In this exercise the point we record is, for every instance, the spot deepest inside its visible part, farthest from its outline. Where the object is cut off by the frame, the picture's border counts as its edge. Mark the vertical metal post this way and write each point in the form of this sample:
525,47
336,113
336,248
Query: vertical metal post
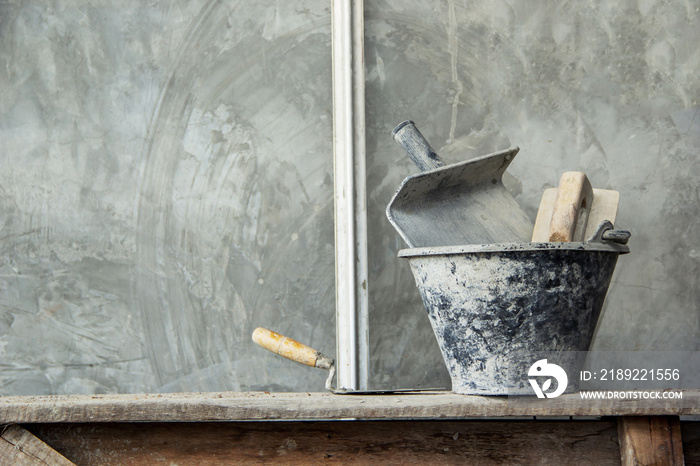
349,189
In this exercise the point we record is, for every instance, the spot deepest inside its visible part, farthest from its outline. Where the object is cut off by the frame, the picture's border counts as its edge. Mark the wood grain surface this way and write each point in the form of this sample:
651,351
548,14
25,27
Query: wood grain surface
368,442
646,440
247,406
19,447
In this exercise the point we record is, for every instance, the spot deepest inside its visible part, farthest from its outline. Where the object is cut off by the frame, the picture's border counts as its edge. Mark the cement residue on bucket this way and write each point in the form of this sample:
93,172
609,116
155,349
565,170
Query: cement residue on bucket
495,309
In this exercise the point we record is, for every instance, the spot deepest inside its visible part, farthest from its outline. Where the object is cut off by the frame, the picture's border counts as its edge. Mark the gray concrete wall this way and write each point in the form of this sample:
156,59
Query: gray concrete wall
608,88
166,175
166,187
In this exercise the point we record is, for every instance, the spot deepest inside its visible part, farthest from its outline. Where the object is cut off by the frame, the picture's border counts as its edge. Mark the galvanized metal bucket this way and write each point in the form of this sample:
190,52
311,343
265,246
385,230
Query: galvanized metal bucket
497,308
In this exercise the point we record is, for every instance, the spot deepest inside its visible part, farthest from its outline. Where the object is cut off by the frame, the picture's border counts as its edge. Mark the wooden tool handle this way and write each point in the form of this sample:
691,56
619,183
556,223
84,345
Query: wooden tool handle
571,208
291,349
416,146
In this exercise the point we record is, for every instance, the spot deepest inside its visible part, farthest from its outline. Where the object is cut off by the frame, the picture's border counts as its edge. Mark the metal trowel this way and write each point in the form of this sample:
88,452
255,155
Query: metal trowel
459,204
299,352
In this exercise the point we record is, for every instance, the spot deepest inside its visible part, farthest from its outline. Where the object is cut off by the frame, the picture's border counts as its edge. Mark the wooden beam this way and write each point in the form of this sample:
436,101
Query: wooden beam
647,441
361,442
20,447
254,406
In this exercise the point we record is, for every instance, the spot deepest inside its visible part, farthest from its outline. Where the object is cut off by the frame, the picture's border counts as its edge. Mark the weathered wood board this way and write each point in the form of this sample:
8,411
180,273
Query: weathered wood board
646,440
362,442
19,447
249,406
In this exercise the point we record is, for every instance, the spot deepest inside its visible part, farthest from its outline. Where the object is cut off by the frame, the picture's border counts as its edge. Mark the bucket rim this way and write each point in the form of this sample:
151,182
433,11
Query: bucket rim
514,247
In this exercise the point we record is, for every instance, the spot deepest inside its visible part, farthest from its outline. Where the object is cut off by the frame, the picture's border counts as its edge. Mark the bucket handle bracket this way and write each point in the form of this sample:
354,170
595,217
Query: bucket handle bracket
605,232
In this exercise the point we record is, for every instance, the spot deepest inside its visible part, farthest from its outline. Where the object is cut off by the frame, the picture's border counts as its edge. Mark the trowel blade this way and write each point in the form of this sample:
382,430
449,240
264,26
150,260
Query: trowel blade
459,204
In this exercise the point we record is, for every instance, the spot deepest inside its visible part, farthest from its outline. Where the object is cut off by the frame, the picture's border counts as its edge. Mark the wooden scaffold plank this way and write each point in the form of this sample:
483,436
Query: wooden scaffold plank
19,447
650,440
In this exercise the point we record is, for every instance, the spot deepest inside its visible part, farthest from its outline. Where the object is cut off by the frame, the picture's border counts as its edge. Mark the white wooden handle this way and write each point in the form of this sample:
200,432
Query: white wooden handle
571,208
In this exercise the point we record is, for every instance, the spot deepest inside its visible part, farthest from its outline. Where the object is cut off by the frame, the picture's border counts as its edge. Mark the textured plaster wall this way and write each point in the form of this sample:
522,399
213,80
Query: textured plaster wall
166,175
606,87
166,187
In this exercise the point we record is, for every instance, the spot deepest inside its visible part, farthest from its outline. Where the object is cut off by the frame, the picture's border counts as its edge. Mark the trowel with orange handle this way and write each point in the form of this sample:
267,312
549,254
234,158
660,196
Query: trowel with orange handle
574,210
299,352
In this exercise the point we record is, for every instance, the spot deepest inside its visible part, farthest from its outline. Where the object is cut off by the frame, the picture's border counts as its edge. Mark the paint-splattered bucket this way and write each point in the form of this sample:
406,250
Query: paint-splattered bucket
495,309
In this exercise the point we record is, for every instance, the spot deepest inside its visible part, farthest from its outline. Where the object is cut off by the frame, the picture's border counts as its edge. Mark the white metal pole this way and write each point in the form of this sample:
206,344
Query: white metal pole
352,339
